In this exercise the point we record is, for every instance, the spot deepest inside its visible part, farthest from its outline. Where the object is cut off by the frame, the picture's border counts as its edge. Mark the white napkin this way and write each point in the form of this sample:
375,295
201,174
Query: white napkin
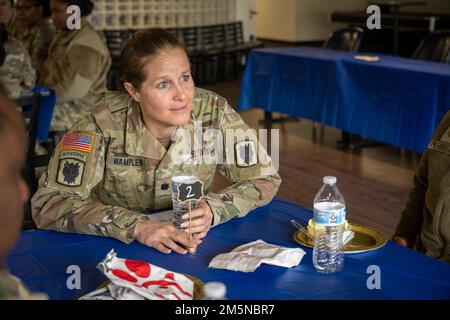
347,236
248,257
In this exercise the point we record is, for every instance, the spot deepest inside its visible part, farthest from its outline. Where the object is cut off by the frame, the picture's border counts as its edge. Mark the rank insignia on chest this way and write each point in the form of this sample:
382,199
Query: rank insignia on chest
164,186
77,142
246,153
70,172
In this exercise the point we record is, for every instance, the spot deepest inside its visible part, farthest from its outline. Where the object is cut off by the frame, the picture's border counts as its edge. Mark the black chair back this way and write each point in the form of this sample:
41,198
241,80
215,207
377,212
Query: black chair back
348,39
434,47
115,39
30,104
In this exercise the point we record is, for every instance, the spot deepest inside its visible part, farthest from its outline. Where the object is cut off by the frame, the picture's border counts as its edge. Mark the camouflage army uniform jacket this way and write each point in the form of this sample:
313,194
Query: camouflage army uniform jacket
36,40
127,172
17,73
426,218
76,69
11,288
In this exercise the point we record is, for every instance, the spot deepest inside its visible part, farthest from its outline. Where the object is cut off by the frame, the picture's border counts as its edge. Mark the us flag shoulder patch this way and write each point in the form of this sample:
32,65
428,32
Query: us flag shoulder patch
77,142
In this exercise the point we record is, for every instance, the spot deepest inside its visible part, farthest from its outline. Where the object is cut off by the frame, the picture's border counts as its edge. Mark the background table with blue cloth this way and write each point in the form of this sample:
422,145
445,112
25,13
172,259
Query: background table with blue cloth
41,259
394,100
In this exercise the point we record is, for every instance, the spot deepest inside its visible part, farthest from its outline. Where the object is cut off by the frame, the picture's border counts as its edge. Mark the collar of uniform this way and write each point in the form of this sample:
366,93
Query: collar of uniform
138,139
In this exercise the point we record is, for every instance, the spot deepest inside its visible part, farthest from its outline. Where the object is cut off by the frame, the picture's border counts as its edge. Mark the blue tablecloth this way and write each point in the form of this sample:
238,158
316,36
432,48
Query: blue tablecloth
395,100
41,259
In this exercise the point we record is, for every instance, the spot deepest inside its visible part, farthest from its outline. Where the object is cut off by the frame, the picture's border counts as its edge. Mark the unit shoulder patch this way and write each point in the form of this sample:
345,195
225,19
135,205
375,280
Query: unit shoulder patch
70,172
246,153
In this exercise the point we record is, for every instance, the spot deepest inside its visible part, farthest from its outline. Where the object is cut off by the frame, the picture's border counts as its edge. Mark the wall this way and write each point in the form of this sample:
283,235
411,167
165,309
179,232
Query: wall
308,20
137,14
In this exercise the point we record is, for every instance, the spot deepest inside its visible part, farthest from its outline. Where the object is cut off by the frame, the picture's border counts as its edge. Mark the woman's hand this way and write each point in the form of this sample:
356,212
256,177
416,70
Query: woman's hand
201,220
163,237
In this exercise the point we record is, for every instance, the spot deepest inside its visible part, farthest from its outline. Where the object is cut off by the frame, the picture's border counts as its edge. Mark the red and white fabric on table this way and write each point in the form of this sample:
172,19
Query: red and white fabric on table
133,279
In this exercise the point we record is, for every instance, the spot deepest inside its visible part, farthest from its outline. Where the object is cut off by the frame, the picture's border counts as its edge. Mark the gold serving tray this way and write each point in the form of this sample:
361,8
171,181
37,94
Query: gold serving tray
365,239
198,286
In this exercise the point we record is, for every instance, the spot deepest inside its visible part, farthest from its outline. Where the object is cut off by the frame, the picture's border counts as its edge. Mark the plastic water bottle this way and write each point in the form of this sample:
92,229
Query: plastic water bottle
185,173
214,291
329,218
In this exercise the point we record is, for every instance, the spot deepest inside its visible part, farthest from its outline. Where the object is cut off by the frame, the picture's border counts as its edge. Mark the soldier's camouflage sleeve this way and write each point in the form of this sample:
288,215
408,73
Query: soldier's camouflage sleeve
76,80
255,179
11,288
40,44
17,73
412,216
65,200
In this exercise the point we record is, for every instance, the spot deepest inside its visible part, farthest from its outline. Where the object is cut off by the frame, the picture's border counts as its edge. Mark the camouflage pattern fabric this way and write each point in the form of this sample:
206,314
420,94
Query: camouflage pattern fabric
117,171
36,40
76,69
11,288
425,220
17,74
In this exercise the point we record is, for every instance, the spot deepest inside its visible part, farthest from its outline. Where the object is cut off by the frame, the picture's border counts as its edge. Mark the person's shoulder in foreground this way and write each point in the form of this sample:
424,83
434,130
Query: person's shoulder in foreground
425,221
13,196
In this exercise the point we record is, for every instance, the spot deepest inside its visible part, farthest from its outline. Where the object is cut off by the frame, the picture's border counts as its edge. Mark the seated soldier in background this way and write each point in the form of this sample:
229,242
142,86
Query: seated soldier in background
425,222
35,31
16,72
13,195
8,17
77,66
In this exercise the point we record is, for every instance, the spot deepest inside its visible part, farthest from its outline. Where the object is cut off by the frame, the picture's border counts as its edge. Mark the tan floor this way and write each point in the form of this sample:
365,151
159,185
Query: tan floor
375,184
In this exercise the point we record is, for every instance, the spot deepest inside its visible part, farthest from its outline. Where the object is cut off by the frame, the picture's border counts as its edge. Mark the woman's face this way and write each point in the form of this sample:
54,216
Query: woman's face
28,12
59,14
166,95
6,11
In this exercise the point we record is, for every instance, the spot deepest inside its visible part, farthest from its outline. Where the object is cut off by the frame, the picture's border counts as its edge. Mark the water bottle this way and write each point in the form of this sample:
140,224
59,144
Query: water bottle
184,173
329,218
214,291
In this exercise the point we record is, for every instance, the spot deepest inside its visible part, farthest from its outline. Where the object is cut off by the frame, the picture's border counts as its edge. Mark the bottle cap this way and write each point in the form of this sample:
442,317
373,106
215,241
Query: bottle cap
214,290
329,180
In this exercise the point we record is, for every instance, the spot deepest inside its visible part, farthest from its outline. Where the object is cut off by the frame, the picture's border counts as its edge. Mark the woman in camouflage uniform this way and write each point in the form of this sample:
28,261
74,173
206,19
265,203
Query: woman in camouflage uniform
77,65
117,162
16,71
35,31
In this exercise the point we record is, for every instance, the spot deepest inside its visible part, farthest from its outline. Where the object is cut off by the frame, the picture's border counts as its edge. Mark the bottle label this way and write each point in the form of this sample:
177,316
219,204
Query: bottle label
329,217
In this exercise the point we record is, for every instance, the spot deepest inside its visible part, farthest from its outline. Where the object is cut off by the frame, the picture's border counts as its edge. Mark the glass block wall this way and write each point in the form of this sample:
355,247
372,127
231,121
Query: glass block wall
137,14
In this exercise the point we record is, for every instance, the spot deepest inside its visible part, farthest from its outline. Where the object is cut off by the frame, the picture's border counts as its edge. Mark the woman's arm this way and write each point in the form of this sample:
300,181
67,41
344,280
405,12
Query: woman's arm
64,200
254,177
83,65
